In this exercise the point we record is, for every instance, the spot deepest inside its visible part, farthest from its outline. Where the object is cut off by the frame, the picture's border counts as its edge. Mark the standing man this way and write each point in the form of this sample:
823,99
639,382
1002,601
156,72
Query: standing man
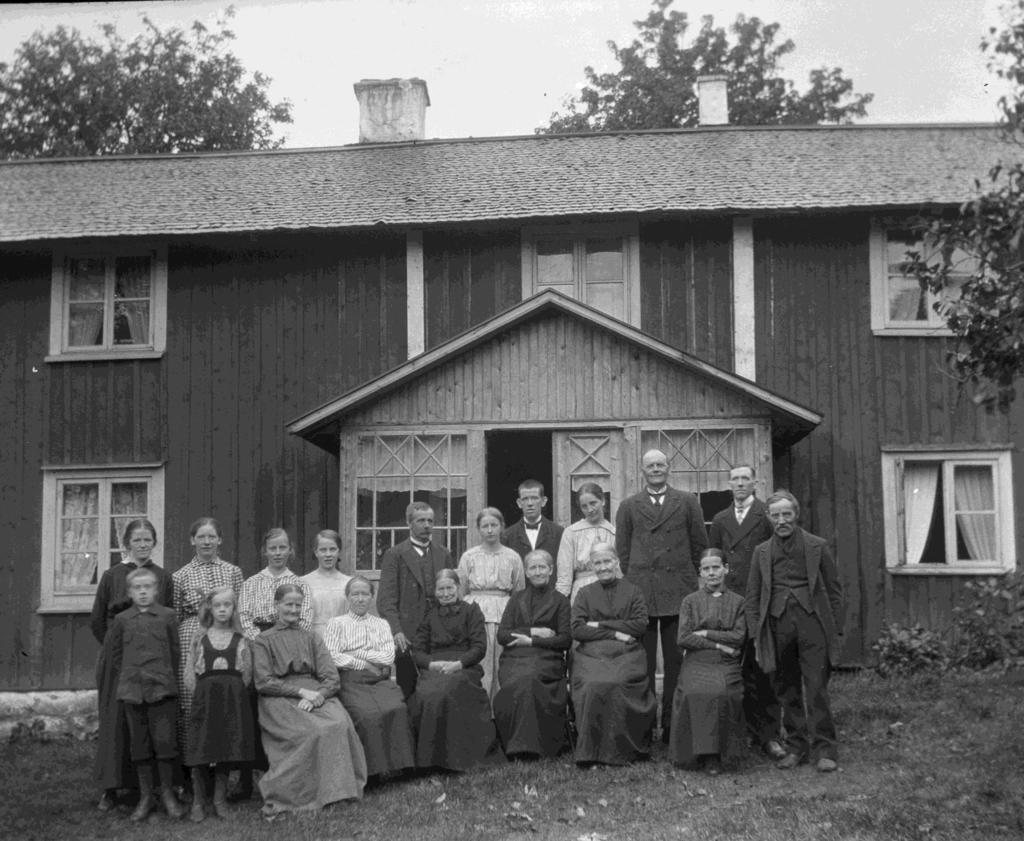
795,615
660,536
736,531
407,573
534,530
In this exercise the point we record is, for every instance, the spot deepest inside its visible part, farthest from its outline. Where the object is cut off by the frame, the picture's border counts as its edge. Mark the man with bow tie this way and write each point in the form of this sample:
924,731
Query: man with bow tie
534,530
407,573
660,536
736,531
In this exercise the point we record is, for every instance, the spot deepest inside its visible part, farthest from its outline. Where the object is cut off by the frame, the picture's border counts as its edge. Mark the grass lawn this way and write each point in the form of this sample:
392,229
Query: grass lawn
919,759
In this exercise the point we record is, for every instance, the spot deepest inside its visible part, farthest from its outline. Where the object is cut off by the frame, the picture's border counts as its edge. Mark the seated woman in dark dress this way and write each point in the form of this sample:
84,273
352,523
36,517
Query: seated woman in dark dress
614,705
530,707
450,710
707,710
363,649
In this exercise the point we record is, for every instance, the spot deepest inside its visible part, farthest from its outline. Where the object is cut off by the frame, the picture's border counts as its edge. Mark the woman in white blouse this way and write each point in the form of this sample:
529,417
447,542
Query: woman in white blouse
574,568
326,584
363,649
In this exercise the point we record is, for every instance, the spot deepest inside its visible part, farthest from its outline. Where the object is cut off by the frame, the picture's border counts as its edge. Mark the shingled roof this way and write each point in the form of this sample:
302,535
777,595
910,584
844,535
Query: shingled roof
739,169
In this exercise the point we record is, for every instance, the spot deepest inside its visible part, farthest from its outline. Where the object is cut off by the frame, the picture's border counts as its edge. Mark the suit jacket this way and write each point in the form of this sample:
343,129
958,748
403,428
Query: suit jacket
407,584
549,539
826,598
737,540
660,546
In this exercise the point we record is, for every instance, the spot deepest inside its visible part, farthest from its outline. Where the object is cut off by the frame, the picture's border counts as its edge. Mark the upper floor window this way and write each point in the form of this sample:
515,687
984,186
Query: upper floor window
595,264
85,511
948,511
108,304
899,306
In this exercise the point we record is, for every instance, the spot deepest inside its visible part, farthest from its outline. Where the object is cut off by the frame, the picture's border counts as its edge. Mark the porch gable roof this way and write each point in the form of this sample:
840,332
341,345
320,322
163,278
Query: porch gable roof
791,421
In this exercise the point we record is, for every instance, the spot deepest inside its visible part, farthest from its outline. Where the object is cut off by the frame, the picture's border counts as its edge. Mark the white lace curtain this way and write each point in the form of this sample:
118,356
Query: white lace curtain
920,482
974,497
79,536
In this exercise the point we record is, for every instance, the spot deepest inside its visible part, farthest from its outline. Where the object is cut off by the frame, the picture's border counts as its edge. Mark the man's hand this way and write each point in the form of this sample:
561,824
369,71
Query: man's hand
401,642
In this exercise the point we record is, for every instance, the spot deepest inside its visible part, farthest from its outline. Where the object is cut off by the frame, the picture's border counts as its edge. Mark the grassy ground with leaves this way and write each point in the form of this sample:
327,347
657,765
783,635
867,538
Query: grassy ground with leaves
925,758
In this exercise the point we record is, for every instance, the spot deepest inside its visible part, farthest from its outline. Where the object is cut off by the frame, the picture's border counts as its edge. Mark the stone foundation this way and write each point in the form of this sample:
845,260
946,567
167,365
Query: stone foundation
46,716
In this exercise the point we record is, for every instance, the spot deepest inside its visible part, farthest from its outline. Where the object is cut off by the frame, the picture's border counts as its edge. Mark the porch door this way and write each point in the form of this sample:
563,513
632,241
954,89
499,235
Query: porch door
580,456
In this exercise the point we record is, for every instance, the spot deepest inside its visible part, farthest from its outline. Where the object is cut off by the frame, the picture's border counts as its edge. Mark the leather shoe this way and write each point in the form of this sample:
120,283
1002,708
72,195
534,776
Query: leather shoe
790,760
775,750
826,765
106,803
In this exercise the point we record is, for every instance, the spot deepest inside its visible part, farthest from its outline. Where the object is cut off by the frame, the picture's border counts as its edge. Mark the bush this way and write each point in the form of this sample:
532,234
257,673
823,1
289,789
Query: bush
904,651
989,623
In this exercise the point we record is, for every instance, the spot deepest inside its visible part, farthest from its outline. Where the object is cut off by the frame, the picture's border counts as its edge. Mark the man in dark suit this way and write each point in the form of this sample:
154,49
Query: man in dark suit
794,607
660,536
736,531
534,530
407,573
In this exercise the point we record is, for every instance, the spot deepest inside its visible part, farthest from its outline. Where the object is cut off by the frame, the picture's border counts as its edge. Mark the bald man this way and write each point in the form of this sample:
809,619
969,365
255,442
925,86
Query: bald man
660,536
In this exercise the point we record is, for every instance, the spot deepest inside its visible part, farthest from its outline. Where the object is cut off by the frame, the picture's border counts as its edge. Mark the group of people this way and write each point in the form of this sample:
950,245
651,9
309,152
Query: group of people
540,640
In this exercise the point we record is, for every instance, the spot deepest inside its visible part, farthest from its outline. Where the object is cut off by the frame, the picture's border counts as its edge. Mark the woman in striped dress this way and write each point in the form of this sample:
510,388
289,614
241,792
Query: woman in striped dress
192,583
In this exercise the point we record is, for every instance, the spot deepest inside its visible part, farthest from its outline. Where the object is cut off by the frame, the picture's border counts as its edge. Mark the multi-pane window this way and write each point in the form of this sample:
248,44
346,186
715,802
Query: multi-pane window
108,303
396,470
948,511
899,304
85,514
700,459
593,264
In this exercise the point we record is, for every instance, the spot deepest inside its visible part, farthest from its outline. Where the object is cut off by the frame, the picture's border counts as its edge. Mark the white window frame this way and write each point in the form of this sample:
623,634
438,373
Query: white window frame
81,600
59,350
881,324
628,232
893,506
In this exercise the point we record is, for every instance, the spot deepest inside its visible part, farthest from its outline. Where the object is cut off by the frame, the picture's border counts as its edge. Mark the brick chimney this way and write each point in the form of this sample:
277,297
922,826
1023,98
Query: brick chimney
713,100
391,110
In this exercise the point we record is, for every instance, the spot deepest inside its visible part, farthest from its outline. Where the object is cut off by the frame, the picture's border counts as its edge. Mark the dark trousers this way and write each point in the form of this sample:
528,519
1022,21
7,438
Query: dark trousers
151,730
760,706
406,673
668,627
801,683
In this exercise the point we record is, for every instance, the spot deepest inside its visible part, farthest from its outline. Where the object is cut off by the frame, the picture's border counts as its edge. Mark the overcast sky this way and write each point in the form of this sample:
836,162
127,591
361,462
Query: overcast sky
500,67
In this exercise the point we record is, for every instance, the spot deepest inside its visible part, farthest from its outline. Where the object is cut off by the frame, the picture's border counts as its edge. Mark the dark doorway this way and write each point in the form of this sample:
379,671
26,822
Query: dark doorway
512,456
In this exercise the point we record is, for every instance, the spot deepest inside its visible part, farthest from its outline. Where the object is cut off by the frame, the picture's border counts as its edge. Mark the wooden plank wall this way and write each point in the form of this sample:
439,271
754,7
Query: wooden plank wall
468,277
815,346
588,374
686,286
256,336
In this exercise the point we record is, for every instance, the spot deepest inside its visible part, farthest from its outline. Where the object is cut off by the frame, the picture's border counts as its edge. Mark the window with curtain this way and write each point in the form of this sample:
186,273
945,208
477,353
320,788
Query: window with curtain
948,511
396,470
85,513
108,303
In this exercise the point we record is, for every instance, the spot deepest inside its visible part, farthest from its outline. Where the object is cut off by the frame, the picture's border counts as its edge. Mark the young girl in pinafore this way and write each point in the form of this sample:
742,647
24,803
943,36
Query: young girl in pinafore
221,730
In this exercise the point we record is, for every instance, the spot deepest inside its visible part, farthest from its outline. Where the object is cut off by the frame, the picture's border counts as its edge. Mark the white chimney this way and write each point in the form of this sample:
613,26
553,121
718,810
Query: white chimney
713,100
391,110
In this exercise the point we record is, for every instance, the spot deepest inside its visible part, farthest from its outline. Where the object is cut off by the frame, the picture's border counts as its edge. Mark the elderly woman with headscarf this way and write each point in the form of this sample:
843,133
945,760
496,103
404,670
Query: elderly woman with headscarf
450,710
615,708
530,708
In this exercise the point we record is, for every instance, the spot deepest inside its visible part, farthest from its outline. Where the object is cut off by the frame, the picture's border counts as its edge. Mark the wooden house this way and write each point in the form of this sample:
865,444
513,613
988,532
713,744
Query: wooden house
312,338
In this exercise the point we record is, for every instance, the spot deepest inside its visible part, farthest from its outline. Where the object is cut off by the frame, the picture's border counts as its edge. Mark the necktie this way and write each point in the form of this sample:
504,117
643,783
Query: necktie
532,526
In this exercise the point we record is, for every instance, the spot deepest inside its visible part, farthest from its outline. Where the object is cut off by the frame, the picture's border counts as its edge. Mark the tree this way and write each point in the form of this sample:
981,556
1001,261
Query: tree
984,304
654,87
163,91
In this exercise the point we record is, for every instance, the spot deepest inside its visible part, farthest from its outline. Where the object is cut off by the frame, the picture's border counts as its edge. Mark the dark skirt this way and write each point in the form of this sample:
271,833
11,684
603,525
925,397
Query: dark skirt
451,716
381,719
530,708
222,728
707,709
113,767
615,708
